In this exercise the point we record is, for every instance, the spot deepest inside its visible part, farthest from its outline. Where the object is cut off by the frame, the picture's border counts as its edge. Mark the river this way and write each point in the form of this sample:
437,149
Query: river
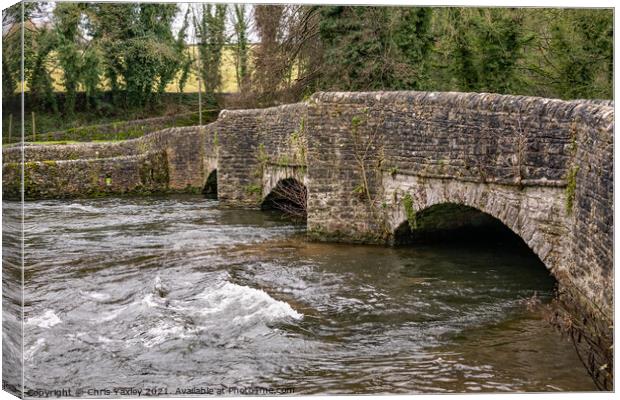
176,294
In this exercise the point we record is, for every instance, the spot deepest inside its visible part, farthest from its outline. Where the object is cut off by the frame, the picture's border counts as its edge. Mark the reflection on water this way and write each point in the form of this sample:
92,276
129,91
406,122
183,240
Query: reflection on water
174,292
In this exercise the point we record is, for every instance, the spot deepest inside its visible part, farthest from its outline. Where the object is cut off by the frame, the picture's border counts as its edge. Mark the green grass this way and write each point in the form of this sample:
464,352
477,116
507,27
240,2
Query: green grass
61,142
180,110
227,68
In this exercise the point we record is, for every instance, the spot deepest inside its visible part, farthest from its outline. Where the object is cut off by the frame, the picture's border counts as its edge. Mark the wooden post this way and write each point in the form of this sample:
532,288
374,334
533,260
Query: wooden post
34,134
199,71
10,126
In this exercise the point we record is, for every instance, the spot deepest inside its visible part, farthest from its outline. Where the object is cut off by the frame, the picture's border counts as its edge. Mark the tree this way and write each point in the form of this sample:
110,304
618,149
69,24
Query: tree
269,68
12,20
90,74
140,51
181,47
40,83
484,48
111,26
302,49
372,48
240,25
578,54
210,28
38,44
67,17
412,36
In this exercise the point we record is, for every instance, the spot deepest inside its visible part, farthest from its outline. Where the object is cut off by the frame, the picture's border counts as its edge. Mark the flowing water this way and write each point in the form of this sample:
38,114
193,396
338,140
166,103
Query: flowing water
175,295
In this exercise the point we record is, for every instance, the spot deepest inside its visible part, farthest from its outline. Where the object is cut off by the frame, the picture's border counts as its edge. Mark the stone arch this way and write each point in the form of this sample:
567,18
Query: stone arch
535,214
210,186
274,174
447,222
288,195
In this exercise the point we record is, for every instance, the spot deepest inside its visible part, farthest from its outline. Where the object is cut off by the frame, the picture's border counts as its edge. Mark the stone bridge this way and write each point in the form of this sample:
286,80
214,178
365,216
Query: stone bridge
375,163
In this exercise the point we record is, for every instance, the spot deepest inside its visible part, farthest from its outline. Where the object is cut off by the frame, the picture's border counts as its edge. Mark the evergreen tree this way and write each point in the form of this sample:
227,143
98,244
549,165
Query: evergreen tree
356,48
67,18
240,25
185,58
269,65
485,47
413,38
210,28
140,50
369,48
579,54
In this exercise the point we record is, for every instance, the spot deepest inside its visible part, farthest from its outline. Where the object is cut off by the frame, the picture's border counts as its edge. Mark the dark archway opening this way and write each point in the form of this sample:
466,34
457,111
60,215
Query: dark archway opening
496,261
289,197
455,223
210,189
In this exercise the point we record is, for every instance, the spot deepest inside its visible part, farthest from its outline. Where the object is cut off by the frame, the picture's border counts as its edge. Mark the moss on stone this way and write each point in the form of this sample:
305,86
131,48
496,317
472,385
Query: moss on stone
409,211
262,155
297,143
573,138
356,121
359,190
253,189
216,140
284,161
571,186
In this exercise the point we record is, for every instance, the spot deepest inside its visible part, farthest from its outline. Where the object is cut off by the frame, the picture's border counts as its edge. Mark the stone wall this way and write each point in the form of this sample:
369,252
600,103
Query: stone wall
589,194
141,174
188,151
81,151
170,160
252,140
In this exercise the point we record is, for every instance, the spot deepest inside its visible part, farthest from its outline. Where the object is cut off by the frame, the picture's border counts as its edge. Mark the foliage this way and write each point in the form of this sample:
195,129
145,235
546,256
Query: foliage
35,69
16,18
67,18
411,213
571,186
370,48
269,68
240,24
357,51
210,27
579,54
482,47
134,51
563,53
412,36
140,53
186,60
11,48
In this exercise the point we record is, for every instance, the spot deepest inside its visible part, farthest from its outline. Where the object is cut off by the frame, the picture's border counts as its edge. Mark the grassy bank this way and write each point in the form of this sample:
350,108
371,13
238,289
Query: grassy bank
101,123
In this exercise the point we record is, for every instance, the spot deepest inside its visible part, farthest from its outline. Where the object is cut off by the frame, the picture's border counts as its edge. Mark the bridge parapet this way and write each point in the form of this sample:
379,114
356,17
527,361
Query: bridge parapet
541,166
172,159
251,141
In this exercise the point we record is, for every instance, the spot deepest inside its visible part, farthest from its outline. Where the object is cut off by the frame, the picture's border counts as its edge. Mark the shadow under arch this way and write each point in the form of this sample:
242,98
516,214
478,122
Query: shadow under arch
456,223
290,196
210,188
